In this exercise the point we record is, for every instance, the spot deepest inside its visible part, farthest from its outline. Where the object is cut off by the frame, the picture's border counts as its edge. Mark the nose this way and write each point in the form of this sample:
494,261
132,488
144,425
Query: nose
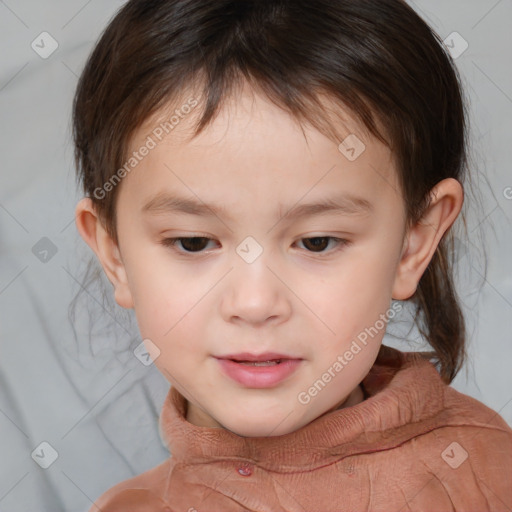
256,293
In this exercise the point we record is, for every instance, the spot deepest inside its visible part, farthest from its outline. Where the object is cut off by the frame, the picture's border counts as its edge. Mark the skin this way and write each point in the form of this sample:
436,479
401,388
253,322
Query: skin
293,299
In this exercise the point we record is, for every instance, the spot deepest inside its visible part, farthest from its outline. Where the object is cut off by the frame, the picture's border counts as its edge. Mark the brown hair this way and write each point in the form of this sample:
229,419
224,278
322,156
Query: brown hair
378,58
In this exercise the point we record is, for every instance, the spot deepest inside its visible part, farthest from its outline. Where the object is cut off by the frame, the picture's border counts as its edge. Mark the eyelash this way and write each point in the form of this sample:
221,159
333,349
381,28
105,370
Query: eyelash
171,243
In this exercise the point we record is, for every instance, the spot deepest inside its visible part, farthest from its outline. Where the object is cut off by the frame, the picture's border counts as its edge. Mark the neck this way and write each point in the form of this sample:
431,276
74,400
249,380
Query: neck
356,397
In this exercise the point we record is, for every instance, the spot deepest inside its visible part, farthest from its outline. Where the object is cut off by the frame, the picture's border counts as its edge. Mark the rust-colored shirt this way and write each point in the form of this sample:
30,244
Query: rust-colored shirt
413,444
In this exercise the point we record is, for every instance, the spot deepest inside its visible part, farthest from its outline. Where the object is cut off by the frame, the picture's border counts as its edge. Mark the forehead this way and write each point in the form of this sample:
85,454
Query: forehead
256,150
247,104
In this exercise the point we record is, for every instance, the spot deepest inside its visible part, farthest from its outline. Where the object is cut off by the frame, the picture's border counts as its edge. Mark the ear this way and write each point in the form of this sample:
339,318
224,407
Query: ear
94,234
423,238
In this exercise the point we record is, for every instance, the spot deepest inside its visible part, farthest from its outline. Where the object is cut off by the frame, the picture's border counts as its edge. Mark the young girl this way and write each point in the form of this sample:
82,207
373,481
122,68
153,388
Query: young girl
266,183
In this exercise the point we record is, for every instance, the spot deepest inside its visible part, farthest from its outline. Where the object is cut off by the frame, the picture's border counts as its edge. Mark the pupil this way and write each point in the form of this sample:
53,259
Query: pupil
317,238
194,243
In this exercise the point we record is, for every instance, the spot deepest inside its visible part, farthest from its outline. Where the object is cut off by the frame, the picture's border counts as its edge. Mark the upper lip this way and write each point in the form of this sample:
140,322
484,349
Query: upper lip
247,356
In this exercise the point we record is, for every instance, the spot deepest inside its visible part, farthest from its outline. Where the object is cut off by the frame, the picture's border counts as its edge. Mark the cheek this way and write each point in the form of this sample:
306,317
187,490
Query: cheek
173,322
166,299
352,298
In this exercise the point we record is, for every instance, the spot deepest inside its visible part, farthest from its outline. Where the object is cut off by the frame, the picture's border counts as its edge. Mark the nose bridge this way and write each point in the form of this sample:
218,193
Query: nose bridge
254,292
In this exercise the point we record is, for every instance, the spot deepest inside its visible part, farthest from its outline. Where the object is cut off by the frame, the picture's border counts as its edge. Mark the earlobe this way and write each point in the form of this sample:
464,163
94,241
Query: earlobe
97,238
423,238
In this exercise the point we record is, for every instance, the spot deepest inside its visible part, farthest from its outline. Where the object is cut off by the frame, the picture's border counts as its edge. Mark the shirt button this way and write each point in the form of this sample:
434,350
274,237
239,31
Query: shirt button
245,470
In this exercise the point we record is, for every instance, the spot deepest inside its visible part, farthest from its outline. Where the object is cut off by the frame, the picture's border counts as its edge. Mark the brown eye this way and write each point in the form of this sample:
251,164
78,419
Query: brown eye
191,244
318,244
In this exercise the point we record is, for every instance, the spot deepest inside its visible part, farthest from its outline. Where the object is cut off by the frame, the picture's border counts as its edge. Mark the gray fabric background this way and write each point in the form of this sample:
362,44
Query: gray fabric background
78,386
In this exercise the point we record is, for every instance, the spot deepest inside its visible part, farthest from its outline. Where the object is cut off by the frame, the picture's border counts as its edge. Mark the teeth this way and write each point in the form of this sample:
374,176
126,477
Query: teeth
260,363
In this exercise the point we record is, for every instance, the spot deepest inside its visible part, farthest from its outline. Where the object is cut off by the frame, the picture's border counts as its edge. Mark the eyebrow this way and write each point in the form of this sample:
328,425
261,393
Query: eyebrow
347,204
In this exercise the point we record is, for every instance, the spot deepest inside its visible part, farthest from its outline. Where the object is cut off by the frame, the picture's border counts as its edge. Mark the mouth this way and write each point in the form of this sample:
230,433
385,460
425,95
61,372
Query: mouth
258,370
265,358
259,363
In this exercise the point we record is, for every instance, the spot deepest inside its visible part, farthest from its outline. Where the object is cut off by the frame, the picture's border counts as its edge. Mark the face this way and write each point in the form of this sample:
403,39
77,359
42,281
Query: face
258,273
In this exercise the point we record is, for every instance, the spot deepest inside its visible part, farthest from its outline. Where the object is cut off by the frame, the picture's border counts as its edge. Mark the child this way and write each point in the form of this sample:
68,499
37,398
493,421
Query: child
267,182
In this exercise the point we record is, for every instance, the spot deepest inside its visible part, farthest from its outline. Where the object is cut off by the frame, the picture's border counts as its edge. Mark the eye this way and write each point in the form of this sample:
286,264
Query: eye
189,244
197,244
317,243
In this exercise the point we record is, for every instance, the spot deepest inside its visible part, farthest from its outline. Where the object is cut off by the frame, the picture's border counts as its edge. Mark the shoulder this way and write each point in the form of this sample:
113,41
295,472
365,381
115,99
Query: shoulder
465,426
468,453
418,386
467,413
141,493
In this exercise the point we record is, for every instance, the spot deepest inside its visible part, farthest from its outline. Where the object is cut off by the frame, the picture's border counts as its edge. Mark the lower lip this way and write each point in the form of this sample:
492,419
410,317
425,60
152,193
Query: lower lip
259,376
